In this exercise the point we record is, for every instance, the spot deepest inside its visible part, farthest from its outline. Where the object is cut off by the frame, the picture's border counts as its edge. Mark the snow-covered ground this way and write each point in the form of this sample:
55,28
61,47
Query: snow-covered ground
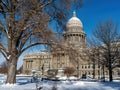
24,83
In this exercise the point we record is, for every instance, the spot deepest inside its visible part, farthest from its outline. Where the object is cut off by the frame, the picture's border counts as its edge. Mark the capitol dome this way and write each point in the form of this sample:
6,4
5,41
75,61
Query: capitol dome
74,21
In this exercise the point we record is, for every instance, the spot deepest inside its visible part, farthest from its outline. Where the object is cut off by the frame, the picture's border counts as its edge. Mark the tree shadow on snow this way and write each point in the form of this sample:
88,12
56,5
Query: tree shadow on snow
114,85
23,81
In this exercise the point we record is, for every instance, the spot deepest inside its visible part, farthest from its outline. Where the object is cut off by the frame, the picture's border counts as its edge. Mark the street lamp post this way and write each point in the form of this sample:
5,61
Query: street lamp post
77,71
42,69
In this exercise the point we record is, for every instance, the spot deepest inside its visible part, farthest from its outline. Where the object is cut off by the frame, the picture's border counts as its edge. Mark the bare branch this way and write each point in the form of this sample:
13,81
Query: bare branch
34,44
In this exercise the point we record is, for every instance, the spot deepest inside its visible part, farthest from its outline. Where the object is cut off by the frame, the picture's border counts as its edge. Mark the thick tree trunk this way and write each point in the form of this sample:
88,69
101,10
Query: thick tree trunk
103,72
11,74
110,67
94,70
110,72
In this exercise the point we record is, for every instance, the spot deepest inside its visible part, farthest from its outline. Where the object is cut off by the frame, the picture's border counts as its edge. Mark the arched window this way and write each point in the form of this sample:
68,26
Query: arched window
82,66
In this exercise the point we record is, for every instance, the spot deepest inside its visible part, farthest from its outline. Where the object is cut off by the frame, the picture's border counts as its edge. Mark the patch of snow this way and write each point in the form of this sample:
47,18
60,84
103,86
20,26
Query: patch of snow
9,85
24,75
23,83
73,78
116,80
60,70
7,33
79,84
9,57
63,78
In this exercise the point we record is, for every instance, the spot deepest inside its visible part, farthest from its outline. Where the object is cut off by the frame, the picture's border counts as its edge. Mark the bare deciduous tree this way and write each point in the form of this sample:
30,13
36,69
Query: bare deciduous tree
108,36
25,23
69,71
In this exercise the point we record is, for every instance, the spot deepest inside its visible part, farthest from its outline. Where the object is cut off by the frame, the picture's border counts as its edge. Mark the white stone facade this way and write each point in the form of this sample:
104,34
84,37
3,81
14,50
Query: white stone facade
51,63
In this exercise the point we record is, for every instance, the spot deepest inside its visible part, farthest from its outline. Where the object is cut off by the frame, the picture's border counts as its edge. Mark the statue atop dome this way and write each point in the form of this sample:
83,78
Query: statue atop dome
74,14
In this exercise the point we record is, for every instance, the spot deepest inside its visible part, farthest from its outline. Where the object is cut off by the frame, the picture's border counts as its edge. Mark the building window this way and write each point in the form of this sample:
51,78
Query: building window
88,73
92,66
88,66
82,66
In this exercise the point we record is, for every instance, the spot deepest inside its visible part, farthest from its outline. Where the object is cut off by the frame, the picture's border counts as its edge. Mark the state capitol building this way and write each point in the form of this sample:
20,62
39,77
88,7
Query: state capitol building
54,63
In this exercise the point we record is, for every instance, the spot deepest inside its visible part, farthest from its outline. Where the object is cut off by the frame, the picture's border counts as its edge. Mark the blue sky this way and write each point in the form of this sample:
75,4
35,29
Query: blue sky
90,14
98,10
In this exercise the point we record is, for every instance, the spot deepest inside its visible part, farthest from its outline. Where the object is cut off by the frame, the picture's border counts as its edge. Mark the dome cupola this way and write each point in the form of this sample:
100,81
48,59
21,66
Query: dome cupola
74,32
74,21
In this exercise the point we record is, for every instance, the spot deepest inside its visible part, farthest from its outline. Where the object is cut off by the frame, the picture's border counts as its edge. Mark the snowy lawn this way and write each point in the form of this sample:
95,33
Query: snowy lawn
24,83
